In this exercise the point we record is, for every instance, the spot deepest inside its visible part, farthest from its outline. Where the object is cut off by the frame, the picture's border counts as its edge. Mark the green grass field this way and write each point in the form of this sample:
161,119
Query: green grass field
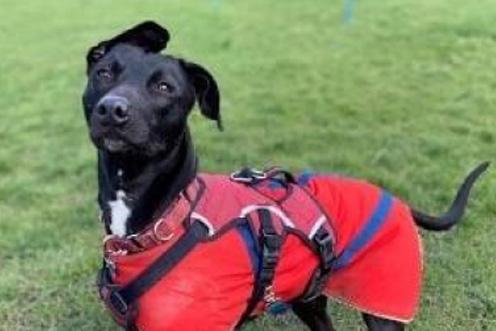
403,96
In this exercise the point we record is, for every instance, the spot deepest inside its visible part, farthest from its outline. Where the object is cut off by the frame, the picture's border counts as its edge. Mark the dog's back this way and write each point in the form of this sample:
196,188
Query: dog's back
377,266
378,251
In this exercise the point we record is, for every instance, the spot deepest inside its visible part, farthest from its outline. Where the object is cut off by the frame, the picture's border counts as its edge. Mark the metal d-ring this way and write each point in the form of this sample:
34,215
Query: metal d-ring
161,238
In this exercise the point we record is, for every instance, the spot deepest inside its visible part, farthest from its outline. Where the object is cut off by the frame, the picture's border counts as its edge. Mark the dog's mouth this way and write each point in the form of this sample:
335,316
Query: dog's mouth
109,143
115,145
136,142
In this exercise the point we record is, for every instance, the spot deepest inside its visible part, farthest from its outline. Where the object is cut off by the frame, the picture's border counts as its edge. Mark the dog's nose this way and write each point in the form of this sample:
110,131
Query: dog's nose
114,109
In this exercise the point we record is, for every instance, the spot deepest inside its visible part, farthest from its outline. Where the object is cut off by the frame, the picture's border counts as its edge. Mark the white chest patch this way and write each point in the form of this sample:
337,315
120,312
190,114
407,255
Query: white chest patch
119,213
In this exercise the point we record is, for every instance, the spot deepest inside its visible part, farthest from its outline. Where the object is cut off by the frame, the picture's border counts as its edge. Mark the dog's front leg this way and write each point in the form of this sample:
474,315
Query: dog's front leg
380,324
314,314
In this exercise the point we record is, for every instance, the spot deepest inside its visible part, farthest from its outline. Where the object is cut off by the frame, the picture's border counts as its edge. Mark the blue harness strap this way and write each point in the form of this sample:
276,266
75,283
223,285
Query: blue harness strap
371,227
305,177
249,239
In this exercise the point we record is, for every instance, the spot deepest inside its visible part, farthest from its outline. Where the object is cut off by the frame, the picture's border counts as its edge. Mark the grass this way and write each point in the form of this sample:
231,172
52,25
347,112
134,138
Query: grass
403,96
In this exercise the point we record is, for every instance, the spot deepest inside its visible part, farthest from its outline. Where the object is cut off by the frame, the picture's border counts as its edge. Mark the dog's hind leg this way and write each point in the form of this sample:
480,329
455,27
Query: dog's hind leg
375,323
314,314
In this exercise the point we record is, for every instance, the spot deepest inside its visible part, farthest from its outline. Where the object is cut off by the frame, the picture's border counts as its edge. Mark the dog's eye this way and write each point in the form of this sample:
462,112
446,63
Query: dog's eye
163,87
104,74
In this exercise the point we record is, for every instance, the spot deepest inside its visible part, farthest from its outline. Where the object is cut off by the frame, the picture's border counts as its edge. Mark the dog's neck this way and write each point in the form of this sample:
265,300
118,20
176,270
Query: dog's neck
133,190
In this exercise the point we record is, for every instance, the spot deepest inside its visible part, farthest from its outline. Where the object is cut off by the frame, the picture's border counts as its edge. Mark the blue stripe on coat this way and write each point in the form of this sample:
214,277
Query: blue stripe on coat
372,226
305,177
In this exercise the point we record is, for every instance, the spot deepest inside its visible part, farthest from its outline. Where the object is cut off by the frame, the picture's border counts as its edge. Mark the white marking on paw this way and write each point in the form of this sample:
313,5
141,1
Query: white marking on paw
120,172
119,214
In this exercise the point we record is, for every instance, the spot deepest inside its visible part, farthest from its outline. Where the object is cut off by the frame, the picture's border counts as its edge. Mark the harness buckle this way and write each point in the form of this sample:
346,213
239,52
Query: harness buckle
324,242
258,174
272,243
248,175
274,305
269,295
117,302
271,259
323,238
110,295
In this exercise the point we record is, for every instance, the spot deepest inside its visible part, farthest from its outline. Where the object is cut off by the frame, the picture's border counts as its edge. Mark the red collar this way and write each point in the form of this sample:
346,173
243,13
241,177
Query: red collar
166,229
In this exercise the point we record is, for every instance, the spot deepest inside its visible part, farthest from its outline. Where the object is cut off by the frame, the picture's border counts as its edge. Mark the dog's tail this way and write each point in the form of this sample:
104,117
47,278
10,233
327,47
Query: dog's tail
455,212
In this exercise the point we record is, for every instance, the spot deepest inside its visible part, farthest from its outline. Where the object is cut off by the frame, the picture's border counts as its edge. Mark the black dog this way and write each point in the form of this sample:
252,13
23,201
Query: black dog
136,104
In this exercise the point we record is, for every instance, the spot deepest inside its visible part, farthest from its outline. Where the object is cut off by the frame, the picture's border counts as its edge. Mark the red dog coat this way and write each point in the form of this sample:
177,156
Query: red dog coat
376,265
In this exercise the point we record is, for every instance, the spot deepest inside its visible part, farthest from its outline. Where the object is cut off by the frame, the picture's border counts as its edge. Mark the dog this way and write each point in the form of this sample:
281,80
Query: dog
136,105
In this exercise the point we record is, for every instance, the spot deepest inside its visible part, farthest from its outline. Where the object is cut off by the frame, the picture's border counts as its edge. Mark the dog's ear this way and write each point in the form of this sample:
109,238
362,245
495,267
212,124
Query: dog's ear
206,91
148,35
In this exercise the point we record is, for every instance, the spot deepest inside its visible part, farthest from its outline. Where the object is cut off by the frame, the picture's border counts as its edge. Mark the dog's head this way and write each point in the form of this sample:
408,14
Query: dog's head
137,100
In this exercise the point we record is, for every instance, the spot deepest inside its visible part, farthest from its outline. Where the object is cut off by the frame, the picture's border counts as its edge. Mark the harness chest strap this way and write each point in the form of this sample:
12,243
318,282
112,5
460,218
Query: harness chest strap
323,242
271,248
